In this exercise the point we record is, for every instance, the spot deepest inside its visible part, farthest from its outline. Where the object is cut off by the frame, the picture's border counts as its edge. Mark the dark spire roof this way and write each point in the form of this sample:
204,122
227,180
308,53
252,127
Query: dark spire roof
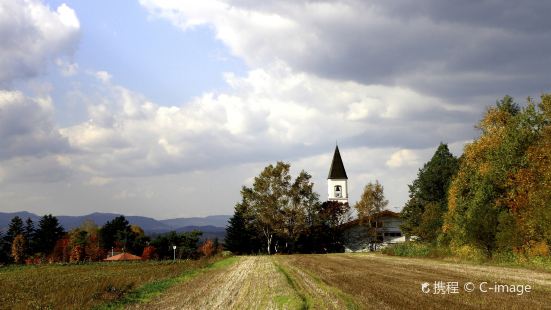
337,168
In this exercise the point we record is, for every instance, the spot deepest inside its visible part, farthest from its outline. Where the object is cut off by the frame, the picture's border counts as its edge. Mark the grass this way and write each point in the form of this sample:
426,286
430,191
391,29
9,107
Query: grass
468,255
153,289
306,302
91,285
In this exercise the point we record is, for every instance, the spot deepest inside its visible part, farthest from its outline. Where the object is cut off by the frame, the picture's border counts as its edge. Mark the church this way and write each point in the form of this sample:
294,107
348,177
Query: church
359,237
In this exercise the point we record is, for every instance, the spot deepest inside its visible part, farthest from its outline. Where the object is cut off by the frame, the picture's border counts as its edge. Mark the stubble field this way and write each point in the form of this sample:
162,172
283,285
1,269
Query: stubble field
334,281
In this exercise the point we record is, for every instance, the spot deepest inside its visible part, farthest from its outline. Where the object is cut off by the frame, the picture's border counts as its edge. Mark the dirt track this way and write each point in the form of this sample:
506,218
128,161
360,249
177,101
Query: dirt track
341,281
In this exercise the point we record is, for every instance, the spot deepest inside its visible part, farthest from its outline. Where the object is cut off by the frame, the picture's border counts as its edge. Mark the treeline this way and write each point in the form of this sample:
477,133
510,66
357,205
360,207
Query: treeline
495,200
279,214
48,242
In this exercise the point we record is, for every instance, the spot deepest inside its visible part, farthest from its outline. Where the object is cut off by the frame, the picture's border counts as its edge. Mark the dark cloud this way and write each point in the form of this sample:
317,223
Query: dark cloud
27,127
456,50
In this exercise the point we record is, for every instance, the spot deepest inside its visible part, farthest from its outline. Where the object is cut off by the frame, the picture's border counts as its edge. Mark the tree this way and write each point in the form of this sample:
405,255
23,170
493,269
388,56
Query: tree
148,252
186,244
18,247
116,233
49,231
371,202
207,248
241,236
5,251
324,233
499,199
422,215
14,228
280,208
29,233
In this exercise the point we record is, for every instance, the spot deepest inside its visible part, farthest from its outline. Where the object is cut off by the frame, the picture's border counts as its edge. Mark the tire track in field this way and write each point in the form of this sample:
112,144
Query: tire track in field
252,283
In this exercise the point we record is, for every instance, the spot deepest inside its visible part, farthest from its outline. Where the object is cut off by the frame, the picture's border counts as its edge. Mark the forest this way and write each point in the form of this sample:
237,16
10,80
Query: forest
48,242
495,199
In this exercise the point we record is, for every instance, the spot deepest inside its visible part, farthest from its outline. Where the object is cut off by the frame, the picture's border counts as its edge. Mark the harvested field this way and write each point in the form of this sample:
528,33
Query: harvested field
352,281
334,281
377,281
252,283
82,286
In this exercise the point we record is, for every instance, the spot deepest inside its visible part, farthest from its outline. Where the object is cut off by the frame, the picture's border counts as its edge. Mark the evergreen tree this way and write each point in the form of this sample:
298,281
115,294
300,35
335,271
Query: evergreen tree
29,233
115,233
49,231
4,250
424,211
241,238
15,228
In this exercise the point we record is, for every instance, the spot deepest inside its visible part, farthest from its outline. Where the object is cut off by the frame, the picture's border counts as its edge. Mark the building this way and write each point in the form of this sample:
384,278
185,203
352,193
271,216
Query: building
337,180
378,231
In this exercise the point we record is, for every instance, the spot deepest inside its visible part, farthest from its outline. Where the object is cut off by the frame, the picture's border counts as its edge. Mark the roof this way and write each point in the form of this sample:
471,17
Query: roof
384,213
123,256
337,167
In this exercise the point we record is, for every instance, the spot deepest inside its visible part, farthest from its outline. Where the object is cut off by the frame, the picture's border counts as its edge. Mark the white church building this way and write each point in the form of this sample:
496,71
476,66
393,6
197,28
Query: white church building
360,237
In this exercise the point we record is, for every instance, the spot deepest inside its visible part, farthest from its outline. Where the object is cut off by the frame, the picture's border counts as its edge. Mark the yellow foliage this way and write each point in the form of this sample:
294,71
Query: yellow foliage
537,248
468,252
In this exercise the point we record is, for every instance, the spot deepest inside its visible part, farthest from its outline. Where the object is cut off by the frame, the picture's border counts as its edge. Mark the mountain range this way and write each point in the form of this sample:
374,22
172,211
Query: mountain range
211,226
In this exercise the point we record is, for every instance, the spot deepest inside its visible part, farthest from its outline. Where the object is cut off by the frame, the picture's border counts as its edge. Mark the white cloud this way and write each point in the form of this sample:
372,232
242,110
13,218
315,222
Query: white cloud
402,158
66,68
103,76
33,35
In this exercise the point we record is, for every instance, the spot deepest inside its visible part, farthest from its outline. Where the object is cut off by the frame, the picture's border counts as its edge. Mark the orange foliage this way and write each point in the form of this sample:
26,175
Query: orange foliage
207,248
148,252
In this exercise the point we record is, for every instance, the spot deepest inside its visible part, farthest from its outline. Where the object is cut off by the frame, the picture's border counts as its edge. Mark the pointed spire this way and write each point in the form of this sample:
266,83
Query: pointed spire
337,167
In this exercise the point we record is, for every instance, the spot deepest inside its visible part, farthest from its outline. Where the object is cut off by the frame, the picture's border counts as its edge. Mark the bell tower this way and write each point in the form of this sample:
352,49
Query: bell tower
337,181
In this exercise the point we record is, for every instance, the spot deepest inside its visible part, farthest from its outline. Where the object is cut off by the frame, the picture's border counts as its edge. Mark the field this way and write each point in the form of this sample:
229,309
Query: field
85,286
335,281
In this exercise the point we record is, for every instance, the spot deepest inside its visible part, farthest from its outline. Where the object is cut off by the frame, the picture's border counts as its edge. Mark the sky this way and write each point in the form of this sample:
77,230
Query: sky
167,108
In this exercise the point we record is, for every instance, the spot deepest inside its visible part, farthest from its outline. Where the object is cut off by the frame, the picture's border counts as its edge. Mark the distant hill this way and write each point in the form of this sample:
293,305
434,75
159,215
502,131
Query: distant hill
211,226
212,220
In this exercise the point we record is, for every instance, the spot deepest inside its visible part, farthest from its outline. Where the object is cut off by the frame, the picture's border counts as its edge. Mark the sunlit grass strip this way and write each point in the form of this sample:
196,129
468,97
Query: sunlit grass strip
306,300
150,290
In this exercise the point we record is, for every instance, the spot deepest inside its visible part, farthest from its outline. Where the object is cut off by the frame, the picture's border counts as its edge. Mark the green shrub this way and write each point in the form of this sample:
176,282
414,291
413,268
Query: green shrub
410,249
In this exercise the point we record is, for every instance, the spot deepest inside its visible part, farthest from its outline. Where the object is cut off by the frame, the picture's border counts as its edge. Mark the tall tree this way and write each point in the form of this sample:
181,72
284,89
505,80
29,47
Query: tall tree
18,247
424,211
116,233
241,236
268,197
280,207
371,202
500,199
4,250
49,231
29,233
15,228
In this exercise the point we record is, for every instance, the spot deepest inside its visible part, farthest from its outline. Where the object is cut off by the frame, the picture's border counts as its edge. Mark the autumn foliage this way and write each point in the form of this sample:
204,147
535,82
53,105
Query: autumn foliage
500,199
207,248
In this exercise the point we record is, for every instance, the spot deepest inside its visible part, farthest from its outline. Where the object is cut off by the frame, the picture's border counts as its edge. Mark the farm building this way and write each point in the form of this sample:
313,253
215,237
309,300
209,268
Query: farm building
382,229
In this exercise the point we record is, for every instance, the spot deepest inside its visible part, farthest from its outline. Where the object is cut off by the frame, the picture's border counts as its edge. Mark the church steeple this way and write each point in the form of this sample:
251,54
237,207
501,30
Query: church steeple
337,180
337,170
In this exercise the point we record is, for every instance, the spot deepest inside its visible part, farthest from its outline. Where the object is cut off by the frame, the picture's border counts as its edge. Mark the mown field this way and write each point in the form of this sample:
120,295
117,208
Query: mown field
351,281
334,281
89,285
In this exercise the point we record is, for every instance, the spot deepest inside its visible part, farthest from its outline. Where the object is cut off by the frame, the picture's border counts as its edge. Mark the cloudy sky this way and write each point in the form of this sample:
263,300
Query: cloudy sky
166,108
